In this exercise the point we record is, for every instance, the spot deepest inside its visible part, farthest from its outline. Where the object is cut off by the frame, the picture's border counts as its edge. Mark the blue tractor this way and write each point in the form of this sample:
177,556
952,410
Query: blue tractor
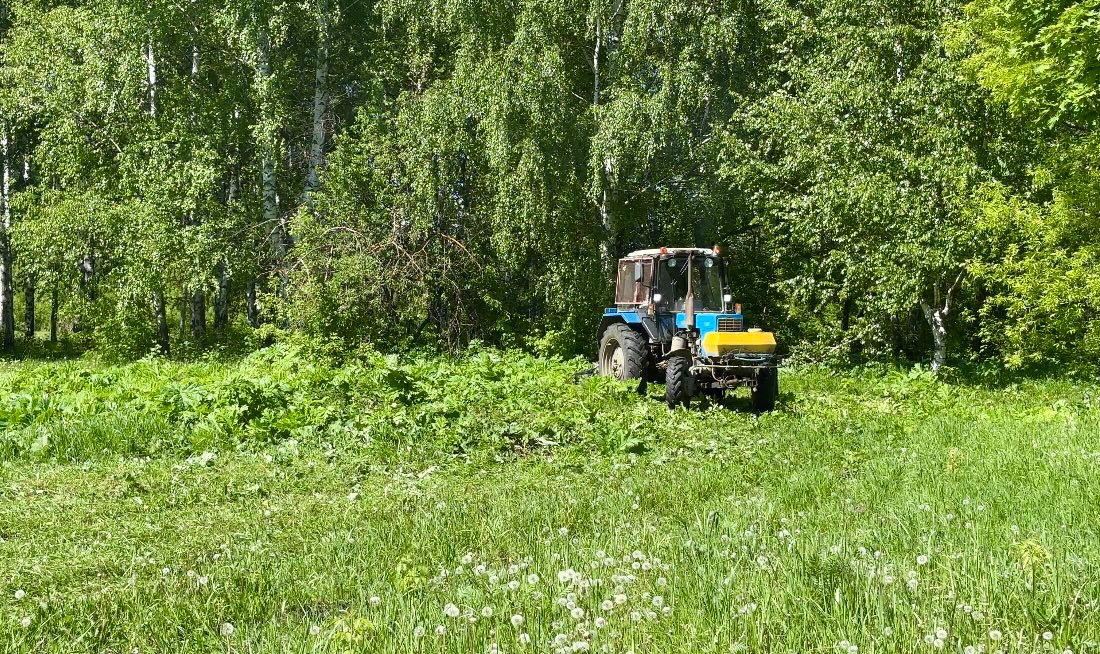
674,321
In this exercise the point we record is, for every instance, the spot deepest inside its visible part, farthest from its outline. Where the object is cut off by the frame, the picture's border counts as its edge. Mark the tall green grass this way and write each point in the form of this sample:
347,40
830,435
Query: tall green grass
360,507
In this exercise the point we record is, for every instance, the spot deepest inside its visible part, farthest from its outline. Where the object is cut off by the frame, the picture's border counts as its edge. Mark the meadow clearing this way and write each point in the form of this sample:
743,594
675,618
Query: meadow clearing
494,503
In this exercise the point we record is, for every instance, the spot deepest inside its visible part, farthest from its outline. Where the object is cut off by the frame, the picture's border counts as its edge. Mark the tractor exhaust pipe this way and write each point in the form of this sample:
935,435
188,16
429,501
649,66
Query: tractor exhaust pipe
689,299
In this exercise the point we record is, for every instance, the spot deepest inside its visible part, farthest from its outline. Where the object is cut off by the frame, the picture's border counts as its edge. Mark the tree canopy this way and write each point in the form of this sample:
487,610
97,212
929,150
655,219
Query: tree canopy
887,178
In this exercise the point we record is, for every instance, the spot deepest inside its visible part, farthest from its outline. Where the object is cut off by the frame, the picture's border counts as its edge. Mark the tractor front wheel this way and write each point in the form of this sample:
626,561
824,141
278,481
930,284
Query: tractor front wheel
678,382
623,353
766,390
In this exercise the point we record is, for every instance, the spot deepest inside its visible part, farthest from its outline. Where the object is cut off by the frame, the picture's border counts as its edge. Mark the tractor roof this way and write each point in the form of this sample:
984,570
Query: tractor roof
657,251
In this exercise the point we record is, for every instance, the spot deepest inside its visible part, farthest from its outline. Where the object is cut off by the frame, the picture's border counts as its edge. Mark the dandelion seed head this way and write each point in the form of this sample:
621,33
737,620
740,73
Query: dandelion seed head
1048,636
516,620
227,629
994,635
20,594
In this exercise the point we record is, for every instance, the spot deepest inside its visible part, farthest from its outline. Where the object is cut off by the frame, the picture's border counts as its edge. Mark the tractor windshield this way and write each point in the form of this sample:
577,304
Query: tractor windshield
706,281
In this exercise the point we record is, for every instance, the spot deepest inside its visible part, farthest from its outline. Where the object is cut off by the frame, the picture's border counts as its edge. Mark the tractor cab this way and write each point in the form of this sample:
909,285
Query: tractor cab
673,307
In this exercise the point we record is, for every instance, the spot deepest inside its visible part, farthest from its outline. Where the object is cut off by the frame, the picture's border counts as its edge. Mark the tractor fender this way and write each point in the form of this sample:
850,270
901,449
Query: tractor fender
645,326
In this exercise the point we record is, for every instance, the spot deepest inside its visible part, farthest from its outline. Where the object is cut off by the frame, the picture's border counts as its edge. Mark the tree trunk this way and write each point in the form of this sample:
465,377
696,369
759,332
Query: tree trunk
272,221
936,315
53,313
936,318
7,310
320,106
198,316
937,322
221,300
607,40
151,70
161,311
28,307
253,307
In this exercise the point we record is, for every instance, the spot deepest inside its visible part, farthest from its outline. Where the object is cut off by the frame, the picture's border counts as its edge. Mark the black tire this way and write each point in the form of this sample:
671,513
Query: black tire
624,353
766,391
678,382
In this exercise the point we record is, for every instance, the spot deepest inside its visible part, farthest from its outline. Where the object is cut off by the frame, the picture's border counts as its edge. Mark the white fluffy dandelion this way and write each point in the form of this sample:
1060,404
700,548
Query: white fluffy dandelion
418,632
25,622
607,605
516,620
577,613
375,600
1047,636
227,629
440,630
922,559
532,579
994,635
20,594
451,611
487,612
314,630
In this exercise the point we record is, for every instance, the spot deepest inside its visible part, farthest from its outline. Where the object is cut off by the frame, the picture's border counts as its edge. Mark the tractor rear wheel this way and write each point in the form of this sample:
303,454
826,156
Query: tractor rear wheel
678,382
766,390
623,353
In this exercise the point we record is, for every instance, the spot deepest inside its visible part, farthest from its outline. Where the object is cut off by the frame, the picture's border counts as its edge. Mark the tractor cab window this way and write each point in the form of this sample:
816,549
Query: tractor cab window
633,281
706,281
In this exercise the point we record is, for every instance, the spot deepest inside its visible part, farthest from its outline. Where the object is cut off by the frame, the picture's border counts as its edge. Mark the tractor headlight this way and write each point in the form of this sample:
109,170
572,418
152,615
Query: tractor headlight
656,297
727,298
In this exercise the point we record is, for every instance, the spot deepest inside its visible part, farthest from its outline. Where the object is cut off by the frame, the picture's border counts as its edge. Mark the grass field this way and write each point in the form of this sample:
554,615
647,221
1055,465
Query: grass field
491,504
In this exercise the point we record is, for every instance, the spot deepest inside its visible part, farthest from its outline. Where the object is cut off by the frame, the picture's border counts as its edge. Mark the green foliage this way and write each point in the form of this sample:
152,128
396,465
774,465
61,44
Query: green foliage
411,173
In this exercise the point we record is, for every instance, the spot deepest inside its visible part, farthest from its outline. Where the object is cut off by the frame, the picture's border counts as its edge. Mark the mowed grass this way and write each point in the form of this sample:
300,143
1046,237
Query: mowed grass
874,512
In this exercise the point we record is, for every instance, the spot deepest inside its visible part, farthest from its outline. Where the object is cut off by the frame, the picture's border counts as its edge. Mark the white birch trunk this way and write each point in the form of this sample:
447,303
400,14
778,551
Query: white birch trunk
271,220
936,314
937,321
320,106
151,70
7,310
604,51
